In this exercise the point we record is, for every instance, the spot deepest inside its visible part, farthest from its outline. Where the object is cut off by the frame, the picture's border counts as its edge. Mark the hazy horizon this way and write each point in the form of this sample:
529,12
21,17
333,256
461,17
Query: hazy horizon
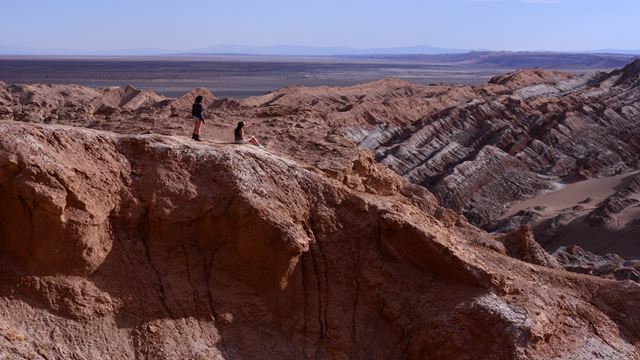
281,50
458,25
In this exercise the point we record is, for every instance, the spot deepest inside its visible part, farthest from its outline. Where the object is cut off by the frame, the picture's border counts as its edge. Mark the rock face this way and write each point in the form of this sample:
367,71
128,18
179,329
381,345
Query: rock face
625,198
522,245
149,246
519,79
82,106
571,128
576,259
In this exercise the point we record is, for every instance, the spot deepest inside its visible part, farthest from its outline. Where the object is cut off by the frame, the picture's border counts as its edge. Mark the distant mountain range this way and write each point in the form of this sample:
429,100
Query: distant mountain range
288,50
617,51
20,50
517,60
274,50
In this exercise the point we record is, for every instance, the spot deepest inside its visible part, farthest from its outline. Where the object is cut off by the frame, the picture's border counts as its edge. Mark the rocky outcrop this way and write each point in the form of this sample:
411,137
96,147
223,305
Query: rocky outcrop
55,219
71,98
125,98
182,106
627,76
5,97
521,244
520,79
626,197
546,129
575,259
498,179
156,247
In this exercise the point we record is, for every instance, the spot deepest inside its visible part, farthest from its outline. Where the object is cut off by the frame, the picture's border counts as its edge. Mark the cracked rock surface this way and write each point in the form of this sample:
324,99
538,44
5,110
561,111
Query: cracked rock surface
150,246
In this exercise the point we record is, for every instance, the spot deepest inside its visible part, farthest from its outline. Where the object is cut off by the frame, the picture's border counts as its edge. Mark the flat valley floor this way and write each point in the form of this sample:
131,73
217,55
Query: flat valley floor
234,77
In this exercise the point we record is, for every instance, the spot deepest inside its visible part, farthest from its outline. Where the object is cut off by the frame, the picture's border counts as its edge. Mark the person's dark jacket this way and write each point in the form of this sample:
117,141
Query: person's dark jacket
197,111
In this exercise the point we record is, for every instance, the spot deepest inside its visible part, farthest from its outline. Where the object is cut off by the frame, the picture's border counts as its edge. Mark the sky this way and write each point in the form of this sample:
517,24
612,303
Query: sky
557,25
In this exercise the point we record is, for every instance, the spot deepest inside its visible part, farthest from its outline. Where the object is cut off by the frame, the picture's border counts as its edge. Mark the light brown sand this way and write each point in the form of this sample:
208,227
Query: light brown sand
629,215
621,237
572,194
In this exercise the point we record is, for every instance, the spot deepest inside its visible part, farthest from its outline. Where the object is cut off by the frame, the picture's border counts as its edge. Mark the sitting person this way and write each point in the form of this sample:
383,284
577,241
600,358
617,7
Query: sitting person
240,136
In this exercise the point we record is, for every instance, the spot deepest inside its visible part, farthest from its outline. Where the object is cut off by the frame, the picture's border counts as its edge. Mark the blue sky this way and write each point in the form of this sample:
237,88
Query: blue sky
563,25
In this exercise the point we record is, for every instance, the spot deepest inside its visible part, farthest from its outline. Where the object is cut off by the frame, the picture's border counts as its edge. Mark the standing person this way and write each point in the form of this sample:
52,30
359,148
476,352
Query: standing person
197,112
240,138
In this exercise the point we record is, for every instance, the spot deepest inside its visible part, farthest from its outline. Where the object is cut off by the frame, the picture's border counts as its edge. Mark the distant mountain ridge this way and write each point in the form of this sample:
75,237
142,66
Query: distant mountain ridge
280,50
617,51
324,51
230,49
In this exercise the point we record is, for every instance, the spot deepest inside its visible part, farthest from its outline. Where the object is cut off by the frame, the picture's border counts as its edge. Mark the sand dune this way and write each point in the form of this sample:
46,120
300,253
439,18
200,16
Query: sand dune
574,215
586,193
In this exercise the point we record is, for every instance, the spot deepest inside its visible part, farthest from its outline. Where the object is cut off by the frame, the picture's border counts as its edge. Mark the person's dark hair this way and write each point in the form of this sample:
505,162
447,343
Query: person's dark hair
198,99
236,132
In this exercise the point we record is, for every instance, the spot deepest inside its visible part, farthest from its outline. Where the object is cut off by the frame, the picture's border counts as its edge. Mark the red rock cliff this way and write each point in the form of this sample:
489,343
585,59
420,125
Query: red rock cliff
118,246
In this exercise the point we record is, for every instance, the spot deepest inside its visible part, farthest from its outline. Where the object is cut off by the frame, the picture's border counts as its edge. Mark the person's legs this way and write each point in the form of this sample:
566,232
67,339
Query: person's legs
196,129
254,141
